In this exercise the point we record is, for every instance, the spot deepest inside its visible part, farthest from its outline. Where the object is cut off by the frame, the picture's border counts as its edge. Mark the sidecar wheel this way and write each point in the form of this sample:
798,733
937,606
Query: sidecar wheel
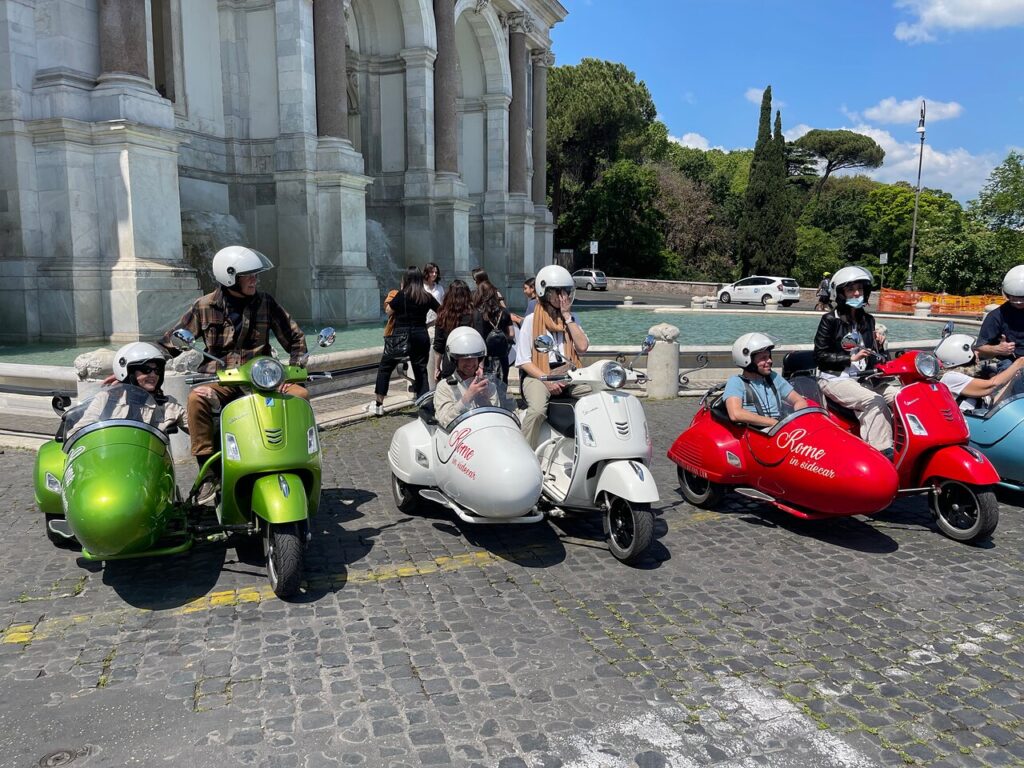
630,529
406,497
284,558
965,512
699,491
59,541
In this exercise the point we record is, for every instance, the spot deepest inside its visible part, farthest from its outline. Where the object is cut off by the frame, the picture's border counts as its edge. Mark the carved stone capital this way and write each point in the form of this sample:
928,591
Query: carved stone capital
521,22
481,5
542,57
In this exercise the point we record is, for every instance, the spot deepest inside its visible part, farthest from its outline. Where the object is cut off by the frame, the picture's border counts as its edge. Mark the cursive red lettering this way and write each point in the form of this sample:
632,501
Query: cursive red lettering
458,443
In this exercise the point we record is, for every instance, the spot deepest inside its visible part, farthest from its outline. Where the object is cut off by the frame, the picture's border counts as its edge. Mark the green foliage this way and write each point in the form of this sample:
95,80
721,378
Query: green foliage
841,149
971,261
620,211
817,251
1001,202
697,239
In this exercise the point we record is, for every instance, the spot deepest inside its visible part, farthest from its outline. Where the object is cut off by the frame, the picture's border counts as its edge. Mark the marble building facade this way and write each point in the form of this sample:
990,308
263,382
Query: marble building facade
343,138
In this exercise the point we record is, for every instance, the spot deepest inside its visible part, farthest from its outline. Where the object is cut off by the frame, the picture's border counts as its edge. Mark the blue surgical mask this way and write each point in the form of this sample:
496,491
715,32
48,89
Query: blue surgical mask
855,303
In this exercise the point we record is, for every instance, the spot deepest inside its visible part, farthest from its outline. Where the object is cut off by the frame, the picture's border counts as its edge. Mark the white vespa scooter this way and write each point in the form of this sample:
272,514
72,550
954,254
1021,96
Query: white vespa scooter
479,466
595,453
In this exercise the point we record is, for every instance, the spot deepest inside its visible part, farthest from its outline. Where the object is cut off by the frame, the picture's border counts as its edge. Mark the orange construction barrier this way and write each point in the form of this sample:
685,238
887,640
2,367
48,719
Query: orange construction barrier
898,302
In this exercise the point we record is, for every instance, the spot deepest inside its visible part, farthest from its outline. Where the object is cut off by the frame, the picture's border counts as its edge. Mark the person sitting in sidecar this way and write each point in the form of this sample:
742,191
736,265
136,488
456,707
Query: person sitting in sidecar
137,394
757,395
958,356
468,387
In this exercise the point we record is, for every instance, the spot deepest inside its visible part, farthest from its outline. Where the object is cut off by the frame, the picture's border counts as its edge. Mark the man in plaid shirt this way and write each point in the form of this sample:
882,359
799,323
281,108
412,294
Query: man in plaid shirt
235,323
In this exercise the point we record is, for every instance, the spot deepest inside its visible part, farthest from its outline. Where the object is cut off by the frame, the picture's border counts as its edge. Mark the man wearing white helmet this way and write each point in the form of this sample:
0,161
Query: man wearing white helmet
467,388
234,322
957,355
551,316
755,395
1002,332
838,367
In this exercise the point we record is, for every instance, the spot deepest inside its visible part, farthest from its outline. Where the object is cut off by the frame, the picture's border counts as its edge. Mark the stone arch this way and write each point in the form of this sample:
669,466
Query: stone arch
490,38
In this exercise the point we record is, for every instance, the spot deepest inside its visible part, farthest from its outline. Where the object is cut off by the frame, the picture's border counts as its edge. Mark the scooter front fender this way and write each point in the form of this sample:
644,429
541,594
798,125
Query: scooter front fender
280,497
960,463
628,479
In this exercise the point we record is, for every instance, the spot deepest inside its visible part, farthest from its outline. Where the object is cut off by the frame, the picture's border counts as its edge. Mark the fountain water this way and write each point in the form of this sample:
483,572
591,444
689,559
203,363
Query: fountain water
203,233
379,258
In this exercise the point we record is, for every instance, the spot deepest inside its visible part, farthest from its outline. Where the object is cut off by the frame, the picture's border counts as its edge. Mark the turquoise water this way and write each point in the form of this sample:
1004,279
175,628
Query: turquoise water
603,326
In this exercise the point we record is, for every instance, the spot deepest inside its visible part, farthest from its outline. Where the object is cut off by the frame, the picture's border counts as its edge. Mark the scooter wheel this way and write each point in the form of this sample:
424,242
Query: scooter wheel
965,512
699,491
406,497
630,529
284,558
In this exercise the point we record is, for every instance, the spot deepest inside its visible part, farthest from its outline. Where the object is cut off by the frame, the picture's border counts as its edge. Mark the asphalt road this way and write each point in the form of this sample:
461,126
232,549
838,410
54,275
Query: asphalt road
747,638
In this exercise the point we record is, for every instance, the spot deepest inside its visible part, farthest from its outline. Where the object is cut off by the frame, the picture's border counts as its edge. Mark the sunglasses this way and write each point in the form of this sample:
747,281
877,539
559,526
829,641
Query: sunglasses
149,370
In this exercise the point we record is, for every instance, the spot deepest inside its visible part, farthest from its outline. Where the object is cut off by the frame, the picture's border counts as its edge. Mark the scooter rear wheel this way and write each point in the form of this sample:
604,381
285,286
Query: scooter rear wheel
284,558
699,491
406,497
965,512
630,529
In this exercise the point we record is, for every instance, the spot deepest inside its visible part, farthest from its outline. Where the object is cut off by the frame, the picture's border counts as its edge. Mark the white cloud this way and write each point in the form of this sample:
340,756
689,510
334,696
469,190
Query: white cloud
754,96
797,131
930,16
907,111
692,140
957,171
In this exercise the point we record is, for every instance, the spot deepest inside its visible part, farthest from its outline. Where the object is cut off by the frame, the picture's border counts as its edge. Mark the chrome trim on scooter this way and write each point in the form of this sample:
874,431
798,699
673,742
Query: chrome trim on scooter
116,423
476,412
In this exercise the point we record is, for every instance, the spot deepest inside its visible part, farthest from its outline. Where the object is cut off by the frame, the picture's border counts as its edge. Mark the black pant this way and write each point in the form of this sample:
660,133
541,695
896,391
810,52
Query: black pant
419,351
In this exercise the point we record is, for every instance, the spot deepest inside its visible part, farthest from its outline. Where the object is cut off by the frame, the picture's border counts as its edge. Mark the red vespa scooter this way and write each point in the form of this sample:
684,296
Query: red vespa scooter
930,436
805,465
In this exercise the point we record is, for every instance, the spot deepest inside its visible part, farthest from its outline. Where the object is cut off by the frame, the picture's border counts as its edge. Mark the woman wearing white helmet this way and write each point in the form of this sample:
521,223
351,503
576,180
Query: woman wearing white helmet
467,388
551,316
755,395
958,357
1002,332
838,367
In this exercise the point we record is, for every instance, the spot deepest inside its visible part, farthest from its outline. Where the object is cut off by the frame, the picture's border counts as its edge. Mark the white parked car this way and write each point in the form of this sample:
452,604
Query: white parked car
590,279
760,288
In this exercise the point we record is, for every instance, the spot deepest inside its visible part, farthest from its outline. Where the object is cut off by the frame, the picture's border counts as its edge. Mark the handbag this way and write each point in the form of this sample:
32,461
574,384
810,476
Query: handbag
397,344
497,342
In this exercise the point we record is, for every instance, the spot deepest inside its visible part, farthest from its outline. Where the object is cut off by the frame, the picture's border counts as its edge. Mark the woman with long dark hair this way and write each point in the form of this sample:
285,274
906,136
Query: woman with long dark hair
493,322
456,310
407,311
432,285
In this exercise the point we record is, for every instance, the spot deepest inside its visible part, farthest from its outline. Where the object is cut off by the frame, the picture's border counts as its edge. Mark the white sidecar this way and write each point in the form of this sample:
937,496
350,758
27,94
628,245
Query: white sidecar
479,466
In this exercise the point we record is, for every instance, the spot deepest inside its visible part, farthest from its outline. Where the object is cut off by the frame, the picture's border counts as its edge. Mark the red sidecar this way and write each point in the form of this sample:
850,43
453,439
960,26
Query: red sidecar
805,465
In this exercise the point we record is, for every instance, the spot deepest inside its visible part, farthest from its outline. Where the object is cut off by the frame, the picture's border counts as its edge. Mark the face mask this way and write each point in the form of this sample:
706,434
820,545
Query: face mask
855,303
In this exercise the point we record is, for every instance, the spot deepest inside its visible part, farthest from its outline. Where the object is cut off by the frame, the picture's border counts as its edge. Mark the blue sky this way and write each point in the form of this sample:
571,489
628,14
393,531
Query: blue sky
863,65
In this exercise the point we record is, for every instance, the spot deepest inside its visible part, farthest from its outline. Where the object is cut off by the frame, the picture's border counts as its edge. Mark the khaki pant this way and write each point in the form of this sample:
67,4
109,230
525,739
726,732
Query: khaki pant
536,395
871,404
203,413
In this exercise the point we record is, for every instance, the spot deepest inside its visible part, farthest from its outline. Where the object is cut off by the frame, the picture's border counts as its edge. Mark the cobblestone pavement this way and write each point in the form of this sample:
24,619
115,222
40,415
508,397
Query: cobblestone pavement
748,639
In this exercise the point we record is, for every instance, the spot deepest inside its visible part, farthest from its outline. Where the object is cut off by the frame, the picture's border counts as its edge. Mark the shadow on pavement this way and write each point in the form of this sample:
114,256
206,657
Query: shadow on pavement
161,583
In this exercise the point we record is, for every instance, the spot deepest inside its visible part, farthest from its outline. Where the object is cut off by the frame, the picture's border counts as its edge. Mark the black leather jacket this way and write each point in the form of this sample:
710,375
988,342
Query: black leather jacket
828,351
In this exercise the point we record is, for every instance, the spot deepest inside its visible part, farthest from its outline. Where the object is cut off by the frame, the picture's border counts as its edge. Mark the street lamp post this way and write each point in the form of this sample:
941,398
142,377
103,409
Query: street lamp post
917,196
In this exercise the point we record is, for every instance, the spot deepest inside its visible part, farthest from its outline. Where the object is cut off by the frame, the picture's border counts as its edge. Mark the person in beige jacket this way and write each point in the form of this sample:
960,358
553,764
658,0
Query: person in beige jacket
468,387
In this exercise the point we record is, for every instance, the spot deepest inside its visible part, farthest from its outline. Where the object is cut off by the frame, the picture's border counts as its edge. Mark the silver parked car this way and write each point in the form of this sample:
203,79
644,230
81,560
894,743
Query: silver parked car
760,288
591,279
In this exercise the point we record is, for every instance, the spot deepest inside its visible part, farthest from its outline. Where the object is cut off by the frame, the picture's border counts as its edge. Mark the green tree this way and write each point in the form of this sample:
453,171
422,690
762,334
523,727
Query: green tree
816,252
1001,202
841,149
620,211
840,210
784,248
970,261
696,237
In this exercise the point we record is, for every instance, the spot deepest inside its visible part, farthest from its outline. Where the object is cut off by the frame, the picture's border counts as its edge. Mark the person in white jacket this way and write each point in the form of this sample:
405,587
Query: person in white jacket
468,387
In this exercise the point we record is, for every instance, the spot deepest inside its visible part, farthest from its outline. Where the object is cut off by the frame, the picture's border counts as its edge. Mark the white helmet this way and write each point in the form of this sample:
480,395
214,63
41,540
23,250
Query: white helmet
1013,283
136,353
749,344
553,276
465,342
848,275
956,349
237,260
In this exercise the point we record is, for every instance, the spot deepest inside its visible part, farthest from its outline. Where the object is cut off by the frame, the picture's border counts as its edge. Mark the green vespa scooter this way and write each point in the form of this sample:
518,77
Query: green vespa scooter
270,463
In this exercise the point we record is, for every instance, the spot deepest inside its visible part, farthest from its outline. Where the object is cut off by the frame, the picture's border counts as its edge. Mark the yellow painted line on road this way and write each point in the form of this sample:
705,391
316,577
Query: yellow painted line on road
23,633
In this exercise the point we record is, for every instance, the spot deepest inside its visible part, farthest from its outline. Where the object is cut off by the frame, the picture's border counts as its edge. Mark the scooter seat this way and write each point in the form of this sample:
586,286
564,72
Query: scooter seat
562,415
806,386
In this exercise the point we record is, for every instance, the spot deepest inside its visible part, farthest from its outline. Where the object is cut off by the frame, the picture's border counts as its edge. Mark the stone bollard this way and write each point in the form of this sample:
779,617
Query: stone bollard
771,305
663,362
175,386
627,301
696,302
922,309
710,302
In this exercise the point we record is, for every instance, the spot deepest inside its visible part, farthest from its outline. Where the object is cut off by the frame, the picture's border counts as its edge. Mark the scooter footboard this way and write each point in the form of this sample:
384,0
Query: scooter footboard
630,480
280,498
960,463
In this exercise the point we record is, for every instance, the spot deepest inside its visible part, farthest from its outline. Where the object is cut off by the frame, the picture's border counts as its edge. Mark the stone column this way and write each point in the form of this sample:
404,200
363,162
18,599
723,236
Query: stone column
519,25
543,228
329,50
446,133
123,39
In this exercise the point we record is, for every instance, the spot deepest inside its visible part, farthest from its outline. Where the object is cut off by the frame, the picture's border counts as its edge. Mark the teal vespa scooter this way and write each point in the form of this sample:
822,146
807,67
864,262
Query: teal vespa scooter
269,462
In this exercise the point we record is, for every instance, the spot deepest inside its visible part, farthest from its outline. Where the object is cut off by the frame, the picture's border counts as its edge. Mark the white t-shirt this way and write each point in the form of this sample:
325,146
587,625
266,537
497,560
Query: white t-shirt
438,293
956,381
524,343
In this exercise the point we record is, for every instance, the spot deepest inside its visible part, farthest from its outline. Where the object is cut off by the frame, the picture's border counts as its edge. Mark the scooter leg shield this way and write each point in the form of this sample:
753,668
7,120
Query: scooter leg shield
280,498
629,480
49,461
957,462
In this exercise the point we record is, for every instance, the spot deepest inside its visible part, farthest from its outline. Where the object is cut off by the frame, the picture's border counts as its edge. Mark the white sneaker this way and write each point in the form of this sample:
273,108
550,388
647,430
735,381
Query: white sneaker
374,409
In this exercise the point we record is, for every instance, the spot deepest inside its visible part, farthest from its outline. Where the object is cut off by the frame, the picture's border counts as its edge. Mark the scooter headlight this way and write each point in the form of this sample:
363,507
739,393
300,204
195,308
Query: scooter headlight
267,373
614,375
927,365
231,447
312,445
52,483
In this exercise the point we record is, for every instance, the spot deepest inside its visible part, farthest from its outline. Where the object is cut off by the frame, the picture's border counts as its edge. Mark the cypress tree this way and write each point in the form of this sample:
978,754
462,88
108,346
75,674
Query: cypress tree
783,252
750,238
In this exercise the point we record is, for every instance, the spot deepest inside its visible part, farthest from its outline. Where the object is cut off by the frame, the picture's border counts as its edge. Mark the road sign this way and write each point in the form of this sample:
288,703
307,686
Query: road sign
593,247
883,258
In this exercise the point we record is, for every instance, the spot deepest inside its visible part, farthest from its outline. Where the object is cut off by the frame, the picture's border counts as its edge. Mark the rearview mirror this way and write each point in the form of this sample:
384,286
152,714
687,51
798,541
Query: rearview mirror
947,329
850,342
544,343
647,344
326,337
182,338
60,403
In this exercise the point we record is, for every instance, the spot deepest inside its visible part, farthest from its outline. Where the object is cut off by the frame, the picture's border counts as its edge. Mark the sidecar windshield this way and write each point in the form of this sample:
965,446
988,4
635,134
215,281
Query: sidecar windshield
120,402
1013,390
